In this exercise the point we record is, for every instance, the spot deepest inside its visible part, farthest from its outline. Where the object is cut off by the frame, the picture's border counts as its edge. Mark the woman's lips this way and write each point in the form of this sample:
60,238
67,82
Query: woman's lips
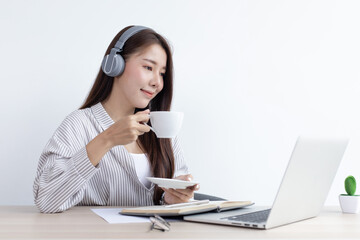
149,94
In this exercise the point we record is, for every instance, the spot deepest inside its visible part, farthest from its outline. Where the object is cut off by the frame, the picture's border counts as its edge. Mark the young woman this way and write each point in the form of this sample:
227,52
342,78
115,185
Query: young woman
102,153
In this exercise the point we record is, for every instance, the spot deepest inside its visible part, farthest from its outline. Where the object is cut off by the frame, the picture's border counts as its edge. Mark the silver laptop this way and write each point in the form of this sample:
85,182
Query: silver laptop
303,190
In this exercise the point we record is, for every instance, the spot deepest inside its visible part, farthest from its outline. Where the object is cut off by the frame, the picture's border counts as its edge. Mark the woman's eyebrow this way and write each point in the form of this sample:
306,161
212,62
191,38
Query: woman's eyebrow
152,61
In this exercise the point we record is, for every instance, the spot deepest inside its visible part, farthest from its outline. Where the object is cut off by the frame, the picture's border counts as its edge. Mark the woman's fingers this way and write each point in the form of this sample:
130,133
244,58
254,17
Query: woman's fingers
187,192
183,194
182,197
141,118
195,187
175,194
142,128
187,177
147,111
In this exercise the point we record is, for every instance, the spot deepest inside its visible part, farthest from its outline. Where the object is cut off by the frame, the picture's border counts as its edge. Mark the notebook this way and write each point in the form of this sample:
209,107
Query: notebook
185,209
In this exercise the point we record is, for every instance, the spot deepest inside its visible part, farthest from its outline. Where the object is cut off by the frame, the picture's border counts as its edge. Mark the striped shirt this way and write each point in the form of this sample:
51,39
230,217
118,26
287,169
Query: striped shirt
66,177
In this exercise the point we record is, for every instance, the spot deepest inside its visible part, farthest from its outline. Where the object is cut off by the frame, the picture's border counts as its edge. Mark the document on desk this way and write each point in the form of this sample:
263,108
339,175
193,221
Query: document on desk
111,215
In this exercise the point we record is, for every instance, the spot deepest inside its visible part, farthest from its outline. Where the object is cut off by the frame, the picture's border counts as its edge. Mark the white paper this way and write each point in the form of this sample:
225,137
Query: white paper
112,215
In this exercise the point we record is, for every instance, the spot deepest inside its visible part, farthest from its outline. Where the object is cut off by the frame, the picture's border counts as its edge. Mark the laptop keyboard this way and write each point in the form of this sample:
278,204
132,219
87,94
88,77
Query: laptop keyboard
254,217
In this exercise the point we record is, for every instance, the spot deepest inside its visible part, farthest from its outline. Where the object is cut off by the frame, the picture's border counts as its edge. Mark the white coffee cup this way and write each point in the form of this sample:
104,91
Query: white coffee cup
166,124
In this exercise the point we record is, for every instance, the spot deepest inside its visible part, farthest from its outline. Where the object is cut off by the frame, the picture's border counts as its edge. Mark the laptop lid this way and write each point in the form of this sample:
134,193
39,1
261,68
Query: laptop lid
307,180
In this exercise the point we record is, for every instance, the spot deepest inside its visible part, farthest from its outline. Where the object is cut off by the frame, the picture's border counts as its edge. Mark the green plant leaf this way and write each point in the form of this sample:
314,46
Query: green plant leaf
350,185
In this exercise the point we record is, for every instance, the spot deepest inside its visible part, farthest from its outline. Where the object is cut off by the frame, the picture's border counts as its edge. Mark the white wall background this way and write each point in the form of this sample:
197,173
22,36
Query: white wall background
250,76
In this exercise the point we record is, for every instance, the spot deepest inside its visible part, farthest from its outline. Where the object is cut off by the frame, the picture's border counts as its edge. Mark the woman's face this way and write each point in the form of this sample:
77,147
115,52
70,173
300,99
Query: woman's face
142,78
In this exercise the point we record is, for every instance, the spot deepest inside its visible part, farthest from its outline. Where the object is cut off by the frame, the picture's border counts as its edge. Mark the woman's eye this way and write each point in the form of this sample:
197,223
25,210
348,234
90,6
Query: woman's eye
148,68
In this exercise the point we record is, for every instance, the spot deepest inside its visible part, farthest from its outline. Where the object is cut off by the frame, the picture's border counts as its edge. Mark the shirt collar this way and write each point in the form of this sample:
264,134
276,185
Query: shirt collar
102,116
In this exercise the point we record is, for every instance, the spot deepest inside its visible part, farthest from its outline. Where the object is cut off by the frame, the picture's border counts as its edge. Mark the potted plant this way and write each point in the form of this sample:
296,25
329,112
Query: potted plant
350,203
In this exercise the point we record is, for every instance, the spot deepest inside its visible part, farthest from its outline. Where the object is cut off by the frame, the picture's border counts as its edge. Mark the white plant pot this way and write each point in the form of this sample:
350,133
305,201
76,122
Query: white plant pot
349,204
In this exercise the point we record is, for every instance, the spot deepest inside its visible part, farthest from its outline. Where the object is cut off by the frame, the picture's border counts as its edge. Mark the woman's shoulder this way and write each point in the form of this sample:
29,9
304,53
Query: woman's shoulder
75,127
78,116
76,121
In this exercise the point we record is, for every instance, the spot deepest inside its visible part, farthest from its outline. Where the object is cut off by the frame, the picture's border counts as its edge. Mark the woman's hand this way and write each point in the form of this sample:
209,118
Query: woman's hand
173,196
123,132
127,129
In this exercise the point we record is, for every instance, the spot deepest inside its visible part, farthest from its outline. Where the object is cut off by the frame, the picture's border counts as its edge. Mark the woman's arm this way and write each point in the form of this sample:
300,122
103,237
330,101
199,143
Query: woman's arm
61,177
97,148
69,161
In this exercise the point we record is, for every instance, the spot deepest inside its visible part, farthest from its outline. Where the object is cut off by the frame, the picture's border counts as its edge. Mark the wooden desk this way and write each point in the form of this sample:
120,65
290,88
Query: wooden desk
25,222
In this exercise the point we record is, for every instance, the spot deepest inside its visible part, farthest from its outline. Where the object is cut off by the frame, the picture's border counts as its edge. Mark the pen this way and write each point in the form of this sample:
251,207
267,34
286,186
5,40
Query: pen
188,203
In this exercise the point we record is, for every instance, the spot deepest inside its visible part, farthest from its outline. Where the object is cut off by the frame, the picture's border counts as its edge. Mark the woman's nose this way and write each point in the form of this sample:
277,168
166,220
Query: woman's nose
156,80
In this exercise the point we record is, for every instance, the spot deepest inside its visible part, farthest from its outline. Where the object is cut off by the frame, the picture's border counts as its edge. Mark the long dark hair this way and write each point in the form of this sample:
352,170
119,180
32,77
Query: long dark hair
158,150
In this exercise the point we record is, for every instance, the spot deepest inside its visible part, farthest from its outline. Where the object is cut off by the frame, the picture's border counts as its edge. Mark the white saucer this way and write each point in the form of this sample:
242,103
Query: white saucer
171,183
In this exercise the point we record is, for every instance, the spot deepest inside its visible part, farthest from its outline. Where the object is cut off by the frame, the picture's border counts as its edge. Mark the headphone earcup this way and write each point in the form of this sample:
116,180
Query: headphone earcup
113,67
113,64
119,65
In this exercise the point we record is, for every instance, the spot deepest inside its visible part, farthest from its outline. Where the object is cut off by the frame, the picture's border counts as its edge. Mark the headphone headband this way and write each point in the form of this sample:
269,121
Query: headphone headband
128,34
